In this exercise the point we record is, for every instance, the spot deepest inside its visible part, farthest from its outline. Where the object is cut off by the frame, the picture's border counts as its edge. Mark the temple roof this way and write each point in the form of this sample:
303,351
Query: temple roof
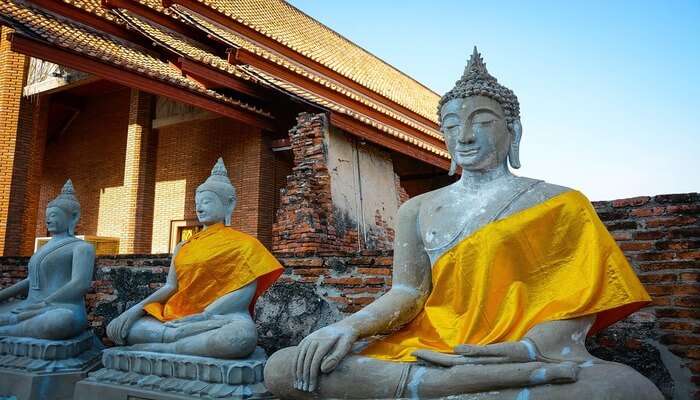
372,92
77,38
289,26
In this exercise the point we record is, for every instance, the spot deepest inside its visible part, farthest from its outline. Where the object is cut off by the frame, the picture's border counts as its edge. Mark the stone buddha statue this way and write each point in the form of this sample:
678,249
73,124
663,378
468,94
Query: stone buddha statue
205,307
60,273
497,281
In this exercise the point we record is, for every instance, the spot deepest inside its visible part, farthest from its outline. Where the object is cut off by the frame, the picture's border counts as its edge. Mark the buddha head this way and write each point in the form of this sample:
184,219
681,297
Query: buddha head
480,120
215,199
63,212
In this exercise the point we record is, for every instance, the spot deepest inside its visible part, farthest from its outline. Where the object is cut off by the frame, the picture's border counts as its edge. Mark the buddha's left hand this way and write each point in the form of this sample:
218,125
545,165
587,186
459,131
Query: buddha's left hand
499,353
188,319
30,307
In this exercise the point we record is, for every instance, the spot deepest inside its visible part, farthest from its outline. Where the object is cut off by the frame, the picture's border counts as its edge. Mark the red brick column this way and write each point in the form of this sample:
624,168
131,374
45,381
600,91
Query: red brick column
22,140
306,222
139,175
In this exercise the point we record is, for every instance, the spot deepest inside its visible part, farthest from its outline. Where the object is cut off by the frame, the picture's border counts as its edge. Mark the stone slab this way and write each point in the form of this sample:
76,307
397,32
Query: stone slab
132,374
27,385
43,349
88,390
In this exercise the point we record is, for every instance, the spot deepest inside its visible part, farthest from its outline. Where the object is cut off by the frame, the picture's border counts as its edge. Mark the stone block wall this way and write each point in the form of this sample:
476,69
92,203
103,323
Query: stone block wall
660,236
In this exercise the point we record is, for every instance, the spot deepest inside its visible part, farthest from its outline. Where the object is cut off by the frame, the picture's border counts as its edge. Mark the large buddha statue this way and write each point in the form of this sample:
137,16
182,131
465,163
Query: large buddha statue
497,281
204,308
60,273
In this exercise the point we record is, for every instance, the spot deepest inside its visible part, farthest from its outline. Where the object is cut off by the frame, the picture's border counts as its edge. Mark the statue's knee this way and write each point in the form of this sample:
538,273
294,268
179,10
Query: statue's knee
59,324
233,341
279,372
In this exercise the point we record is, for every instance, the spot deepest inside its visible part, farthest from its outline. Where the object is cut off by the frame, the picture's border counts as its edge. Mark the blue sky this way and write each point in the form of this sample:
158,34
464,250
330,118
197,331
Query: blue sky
609,90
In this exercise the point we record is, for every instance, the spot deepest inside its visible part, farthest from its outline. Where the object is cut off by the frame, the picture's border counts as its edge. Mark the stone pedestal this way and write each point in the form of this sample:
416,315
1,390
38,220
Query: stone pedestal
37,369
141,375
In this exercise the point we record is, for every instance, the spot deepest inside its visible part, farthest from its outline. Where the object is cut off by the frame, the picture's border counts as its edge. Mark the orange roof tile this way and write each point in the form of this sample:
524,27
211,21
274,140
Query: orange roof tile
292,28
76,38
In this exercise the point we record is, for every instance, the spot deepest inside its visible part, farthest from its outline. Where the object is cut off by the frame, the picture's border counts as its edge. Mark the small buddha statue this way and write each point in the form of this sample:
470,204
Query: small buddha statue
205,307
497,281
59,275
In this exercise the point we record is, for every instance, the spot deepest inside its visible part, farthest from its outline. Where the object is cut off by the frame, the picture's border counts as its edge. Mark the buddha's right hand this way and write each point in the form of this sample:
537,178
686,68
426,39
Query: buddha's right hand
321,351
118,329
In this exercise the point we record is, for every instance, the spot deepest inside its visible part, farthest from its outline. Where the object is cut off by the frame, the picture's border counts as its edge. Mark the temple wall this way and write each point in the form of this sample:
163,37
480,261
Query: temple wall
91,152
357,170
185,155
659,235
323,206
97,149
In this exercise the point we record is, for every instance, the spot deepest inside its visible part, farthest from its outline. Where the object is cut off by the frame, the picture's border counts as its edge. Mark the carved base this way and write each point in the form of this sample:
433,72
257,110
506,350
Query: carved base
159,376
37,369
47,356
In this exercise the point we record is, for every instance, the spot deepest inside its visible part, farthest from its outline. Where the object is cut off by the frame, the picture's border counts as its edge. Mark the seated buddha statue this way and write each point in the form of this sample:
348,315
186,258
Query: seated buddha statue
59,275
205,307
497,281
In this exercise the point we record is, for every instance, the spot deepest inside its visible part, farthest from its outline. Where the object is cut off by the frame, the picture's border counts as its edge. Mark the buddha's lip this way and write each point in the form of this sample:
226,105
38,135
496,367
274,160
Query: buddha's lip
469,151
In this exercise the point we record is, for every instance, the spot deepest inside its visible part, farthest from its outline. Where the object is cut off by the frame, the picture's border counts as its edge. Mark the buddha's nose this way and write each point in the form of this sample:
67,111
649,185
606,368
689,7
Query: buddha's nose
467,136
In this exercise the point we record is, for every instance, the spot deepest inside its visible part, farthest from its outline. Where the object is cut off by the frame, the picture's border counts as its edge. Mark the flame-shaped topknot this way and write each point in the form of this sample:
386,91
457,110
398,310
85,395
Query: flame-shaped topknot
476,81
66,200
219,168
68,188
476,68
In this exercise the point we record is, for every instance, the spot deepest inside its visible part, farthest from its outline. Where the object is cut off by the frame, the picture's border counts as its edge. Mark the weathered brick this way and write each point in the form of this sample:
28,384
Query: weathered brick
634,201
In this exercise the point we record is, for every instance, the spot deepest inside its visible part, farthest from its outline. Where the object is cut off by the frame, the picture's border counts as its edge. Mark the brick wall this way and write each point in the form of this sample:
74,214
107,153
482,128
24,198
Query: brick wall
21,152
139,175
660,236
91,152
119,165
306,220
187,152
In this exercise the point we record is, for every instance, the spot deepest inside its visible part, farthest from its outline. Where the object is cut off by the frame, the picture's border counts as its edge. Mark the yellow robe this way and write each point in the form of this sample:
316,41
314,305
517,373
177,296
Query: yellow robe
212,263
553,261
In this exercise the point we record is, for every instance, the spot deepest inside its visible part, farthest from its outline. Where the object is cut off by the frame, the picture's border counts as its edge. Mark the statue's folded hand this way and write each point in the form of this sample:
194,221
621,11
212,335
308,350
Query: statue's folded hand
504,352
30,307
118,329
498,353
321,352
188,319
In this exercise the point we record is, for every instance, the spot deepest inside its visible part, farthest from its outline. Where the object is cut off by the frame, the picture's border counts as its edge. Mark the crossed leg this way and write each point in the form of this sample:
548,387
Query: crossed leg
225,338
52,323
358,377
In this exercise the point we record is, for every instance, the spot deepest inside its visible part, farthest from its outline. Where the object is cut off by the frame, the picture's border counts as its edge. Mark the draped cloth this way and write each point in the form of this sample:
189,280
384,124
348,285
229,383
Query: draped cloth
553,261
212,263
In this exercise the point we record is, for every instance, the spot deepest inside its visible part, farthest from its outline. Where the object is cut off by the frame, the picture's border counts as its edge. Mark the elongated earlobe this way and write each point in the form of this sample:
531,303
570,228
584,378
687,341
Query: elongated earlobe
453,167
229,211
73,223
514,151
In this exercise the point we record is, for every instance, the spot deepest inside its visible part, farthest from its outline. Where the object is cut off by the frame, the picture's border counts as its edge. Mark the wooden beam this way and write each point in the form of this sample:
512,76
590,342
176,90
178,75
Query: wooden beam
35,48
373,135
157,17
270,43
222,79
242,56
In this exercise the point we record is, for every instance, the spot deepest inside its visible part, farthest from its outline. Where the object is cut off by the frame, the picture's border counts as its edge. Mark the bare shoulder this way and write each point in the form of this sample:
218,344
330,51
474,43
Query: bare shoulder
550,190
84,248
539,193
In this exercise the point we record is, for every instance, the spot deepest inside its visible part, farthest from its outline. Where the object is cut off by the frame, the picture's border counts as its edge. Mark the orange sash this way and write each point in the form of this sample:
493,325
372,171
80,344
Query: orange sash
213,263
553,261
